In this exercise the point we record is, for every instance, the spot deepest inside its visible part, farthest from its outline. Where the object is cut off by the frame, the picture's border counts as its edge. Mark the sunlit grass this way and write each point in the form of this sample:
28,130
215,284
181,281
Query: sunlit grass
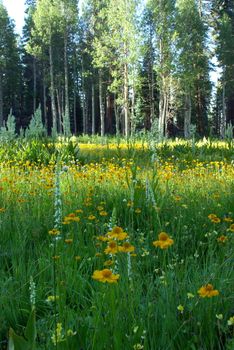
118,200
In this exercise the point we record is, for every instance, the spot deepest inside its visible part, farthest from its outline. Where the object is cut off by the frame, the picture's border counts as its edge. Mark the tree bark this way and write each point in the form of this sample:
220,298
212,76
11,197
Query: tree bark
52,92
34,85
44,101
126,106
93,109
187,115
83,99
116,117
66,77
224,114
101,104
1,101
59,112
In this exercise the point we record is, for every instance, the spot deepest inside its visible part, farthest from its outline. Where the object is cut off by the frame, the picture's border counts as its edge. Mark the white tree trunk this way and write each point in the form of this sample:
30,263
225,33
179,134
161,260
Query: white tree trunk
101,104
187,116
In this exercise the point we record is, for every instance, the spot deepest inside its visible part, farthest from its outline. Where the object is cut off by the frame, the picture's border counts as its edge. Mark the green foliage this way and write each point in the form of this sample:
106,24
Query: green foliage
8,132
36,128
28,342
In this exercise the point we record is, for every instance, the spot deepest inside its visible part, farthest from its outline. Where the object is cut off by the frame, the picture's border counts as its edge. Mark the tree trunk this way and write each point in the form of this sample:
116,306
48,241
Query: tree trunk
163,113
44,101
1,101
93,109
84,122
187,116
133,122
52,92
224,114
59,112
126,107
101,103
116,117
34,85
66,77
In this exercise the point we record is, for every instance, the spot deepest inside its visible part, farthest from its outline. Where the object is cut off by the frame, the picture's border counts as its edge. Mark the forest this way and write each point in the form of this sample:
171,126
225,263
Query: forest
120,67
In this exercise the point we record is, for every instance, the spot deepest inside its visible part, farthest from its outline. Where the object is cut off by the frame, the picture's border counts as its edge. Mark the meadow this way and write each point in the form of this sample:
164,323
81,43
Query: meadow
113,244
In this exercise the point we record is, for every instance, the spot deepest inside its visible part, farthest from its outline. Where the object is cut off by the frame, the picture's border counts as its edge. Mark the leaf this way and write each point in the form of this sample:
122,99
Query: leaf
17,342
30,330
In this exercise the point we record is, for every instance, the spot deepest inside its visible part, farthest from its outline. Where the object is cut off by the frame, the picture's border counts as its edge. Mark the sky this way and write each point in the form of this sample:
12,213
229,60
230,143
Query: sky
15,9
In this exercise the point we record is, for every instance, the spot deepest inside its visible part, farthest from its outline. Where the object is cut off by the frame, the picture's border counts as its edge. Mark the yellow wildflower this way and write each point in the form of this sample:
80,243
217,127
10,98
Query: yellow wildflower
118,233
105,275
164,241
222,239
230,322
126,248
112,248
180,308
231,228
54,232
207,291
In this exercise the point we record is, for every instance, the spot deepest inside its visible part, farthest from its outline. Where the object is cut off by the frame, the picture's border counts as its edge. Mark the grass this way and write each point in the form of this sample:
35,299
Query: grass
144,188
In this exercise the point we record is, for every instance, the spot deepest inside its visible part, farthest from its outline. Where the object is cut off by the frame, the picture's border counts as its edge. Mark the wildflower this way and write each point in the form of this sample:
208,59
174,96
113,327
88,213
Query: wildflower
79,211
216,220
108,263
230,322
102,238
118,233
91,217
51,298
164,241
231,228
105,275
68,240
219,316
2,210
58,337
138,347
208,291
228,219
137,210
212,216
222,239
98,255
70,333
126,248
77,257
112,248
190,295
54,232
180,308
103,213
56,257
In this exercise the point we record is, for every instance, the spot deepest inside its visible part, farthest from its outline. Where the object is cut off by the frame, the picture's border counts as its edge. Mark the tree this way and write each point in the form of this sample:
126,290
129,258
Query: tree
9,67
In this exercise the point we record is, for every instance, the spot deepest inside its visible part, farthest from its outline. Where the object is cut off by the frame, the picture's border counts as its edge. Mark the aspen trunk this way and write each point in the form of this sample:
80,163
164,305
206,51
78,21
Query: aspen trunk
116,117
126,106
101,104
187,116
93,109
52,90
66,77
83,99
1,101
224,112
44,101
59,112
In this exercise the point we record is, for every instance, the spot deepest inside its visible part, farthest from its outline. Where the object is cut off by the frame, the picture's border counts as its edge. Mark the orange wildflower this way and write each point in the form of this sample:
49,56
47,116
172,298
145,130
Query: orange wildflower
207,291
164,241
